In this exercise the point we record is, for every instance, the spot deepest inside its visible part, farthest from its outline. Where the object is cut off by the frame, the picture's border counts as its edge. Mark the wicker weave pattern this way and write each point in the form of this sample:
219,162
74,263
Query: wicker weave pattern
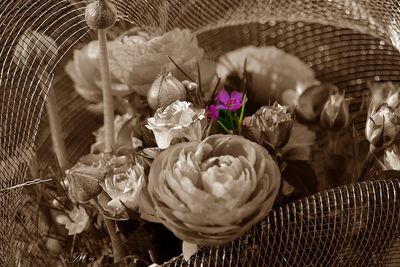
346,42
354,225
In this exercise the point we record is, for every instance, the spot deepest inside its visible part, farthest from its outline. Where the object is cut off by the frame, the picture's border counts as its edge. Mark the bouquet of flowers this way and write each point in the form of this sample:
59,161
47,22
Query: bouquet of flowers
204,148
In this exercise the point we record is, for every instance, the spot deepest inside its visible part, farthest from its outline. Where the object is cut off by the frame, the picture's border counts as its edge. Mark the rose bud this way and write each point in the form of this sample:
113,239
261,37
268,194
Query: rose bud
165,90
84,182
383,123
84,178
381,128
271,125
335,113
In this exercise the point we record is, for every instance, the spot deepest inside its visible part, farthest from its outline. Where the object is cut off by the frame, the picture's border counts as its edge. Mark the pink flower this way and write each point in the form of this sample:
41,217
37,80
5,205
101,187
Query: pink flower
212,112
232,101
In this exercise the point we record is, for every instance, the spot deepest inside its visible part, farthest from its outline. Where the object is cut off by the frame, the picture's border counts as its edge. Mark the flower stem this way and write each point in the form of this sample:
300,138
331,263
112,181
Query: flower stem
223,126
56,130
231,119
116,242
107,93
118,249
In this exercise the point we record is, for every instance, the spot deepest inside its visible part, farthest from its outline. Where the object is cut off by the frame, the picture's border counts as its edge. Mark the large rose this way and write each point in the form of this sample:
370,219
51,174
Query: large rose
138,62
272,71
213,191
178,120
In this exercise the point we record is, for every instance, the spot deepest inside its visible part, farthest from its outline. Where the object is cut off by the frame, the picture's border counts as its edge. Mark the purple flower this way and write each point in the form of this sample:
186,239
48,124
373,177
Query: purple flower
228,101
212,112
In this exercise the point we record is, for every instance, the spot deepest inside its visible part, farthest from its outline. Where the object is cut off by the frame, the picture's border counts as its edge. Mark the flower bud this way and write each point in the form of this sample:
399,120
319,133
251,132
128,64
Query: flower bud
100,15
84,182
335,113
165,90
382,127
35,48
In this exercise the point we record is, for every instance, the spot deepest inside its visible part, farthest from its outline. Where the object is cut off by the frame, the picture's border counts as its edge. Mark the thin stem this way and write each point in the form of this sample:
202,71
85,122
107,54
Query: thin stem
56,131
107,93
209,129
118,249
231,119
116,242
332,142
223,126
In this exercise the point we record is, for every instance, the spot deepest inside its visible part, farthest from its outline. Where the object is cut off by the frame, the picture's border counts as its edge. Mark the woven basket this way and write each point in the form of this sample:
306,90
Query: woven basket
346,42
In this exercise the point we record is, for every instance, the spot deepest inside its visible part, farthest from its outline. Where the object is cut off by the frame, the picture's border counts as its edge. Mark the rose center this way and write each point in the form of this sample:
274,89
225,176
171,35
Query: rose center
219,176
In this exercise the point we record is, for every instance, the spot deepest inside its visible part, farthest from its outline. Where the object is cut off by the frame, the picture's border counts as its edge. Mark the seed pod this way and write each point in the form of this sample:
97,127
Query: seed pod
100,15
165,90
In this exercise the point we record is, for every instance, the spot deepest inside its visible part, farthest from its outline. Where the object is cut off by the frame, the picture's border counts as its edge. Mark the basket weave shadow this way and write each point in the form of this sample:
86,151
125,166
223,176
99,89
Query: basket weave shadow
347,42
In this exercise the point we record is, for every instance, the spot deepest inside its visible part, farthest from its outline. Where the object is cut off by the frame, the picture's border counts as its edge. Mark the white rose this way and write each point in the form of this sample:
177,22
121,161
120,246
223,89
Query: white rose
124,189
178,120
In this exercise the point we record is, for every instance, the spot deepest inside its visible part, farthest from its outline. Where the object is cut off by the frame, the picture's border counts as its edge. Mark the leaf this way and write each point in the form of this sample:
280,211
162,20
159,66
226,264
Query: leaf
189,250
302,177
335,167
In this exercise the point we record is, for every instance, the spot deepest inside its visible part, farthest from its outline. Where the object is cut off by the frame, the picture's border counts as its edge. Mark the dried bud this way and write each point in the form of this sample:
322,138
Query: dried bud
84,182
335,113
85,176
165,90
100,15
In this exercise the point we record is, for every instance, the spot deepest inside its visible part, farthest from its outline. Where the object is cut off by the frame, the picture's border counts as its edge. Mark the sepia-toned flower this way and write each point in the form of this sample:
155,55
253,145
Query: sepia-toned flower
383,122
178,120
124,189
84,71
335,113
137,62
272,71
76,221
213,191
271,125
392,158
